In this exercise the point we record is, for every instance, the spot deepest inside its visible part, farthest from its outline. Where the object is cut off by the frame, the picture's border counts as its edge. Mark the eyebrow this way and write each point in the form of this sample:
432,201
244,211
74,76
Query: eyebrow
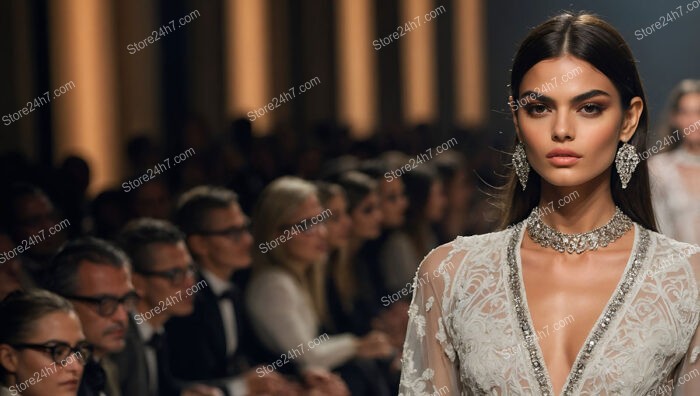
578,98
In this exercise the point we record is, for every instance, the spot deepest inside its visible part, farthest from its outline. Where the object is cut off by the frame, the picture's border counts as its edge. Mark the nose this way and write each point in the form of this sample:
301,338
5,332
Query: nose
321,230
562,130
74,366
121,314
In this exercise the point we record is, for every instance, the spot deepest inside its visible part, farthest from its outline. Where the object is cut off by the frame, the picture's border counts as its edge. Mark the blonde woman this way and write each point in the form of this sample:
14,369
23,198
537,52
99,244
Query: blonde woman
285,296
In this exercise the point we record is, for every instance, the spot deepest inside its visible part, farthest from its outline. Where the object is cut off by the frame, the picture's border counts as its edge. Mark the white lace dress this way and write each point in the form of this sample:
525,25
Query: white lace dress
470,331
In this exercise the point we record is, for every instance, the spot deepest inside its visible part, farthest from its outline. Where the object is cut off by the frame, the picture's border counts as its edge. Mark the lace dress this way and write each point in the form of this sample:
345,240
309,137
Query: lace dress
470,331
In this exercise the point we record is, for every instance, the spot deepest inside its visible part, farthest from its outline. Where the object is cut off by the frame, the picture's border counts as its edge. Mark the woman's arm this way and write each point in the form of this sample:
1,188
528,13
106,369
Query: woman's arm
430,364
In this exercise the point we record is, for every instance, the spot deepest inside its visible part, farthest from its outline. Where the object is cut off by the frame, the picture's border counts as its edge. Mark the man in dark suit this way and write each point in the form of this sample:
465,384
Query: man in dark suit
163,275
96,277
215,343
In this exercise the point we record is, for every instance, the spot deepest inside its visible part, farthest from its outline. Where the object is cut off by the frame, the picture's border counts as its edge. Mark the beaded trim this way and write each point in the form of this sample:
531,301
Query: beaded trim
597,332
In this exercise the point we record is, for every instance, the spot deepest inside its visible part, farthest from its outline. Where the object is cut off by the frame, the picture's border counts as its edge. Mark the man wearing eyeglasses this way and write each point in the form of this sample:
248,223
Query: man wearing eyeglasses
95,276
216,342
164,278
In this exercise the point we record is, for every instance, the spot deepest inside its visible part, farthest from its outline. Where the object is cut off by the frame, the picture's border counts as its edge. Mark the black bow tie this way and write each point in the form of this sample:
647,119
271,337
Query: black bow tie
156,341
94,376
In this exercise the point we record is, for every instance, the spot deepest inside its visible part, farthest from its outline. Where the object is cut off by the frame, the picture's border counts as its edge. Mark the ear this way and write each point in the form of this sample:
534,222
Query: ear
514,111
631,119
140,283
196,245
8,358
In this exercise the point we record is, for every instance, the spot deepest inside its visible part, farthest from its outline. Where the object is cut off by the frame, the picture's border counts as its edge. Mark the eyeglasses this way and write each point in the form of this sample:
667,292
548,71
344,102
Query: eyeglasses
107,305
176,275
234,232
61,351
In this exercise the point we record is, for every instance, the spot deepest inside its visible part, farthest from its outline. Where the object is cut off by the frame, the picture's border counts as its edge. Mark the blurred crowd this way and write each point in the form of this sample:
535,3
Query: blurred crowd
280,264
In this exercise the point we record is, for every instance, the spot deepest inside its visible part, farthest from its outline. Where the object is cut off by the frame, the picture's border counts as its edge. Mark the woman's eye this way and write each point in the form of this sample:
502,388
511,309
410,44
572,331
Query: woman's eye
591,108
536,109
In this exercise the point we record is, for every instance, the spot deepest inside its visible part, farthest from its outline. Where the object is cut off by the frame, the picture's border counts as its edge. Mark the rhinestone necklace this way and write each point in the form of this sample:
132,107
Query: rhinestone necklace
602,236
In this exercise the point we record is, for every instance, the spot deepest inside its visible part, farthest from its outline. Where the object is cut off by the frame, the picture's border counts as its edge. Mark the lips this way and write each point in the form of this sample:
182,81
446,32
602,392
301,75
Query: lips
562,157
71,384
563,153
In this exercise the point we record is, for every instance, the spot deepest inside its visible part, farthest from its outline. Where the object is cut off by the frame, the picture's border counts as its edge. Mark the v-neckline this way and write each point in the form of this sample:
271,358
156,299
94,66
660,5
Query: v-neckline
616,300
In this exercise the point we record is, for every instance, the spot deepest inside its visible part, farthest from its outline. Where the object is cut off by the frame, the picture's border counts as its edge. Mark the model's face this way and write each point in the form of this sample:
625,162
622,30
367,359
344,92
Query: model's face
571,131
154,289
393,202
688,114
339,223
367,218
308,245
230,251
106,333
49,378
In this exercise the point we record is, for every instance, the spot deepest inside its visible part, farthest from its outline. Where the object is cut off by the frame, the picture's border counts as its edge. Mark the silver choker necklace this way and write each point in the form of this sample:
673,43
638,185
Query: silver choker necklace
570,243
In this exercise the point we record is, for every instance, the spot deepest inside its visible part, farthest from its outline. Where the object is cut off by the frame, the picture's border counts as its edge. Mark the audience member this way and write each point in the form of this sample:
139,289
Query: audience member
96,276
40,337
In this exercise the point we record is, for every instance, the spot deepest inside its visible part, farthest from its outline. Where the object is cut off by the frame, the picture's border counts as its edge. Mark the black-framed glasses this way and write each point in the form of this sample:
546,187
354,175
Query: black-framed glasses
61,351
176,275
107,305
234,232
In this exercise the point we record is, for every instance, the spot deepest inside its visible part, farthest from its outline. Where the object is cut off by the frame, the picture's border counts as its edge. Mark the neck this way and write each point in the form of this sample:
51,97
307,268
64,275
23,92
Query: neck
157,321
577,209
220,272
354,245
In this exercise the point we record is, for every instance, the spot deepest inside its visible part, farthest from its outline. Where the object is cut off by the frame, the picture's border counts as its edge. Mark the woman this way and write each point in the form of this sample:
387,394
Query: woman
42,346
675,174
285,296
403,250
529,310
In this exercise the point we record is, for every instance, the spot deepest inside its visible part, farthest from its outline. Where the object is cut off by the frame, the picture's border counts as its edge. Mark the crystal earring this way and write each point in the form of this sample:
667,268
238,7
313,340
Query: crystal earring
626,161
522,167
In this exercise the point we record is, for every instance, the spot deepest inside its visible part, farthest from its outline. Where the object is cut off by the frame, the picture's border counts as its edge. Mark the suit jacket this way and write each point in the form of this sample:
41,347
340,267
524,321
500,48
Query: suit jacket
197,343
133,367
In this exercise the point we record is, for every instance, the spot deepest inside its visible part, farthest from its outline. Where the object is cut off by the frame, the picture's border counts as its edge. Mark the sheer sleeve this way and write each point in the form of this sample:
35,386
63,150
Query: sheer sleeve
686,381
429,363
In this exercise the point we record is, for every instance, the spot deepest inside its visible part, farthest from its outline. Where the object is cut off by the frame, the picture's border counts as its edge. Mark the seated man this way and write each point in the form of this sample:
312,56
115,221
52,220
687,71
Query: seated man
163,275
215,342
96,277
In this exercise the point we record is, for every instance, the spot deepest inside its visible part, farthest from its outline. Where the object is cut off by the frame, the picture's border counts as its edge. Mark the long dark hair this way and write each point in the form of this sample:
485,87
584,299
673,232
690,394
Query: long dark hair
595,41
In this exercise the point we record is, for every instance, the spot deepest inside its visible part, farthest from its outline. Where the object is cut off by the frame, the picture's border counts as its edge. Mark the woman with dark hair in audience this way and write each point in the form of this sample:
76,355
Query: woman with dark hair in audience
351,311
401,254
286,294
42,345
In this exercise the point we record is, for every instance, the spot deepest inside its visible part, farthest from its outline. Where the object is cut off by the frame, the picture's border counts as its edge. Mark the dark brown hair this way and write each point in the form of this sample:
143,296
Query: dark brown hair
595,41
20,311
